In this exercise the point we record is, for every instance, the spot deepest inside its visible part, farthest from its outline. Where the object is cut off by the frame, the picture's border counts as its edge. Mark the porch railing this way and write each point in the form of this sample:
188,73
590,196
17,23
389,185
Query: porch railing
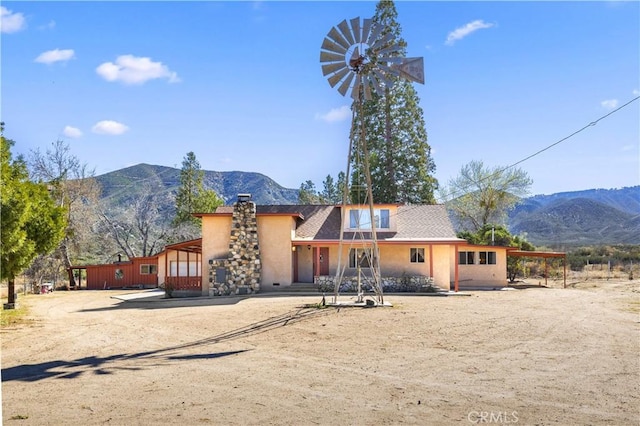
184,283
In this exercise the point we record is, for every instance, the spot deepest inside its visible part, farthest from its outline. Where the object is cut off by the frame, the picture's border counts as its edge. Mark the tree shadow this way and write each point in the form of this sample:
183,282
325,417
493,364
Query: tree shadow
109,365
156,302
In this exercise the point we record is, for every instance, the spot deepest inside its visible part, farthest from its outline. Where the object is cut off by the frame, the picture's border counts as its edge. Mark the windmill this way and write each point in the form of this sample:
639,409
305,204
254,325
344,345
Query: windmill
357,58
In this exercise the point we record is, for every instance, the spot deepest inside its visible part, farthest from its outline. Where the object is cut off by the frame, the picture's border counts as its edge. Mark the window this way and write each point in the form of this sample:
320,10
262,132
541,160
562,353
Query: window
148,269
417,255
361,218
359,257
487,258
466,258
180,269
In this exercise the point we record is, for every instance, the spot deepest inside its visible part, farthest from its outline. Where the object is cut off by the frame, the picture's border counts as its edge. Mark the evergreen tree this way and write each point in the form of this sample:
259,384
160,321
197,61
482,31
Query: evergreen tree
401,166
307,193
192,196
31,223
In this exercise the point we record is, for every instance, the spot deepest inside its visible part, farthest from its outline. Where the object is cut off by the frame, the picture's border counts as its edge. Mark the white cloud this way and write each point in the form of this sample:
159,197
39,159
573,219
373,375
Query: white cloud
11,22
109,127
51,25
609,103
55,55
130,69
336,114
462,32
636,92
72,132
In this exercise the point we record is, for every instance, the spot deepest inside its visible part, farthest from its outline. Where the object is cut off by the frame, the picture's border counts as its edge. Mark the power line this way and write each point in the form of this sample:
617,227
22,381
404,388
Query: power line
593,123
499,171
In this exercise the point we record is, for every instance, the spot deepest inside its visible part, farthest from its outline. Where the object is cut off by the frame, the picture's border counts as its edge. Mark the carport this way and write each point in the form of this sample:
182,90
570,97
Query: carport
545,255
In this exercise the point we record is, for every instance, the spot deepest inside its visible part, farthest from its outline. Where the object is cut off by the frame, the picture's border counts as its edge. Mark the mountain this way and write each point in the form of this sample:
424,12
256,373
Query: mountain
591,217
596,216
121,186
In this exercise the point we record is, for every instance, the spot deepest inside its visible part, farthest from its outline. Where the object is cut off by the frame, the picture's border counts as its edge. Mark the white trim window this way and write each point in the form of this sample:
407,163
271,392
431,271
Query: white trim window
486,258
417,255
179,269
148,269
361,218
363,257
466,258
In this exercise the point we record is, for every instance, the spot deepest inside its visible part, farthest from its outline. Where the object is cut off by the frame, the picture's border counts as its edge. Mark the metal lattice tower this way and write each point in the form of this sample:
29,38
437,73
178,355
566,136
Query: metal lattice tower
357,58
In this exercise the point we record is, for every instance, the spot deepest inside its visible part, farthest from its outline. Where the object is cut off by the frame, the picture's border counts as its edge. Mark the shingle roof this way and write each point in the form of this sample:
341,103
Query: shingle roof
322,222
424,222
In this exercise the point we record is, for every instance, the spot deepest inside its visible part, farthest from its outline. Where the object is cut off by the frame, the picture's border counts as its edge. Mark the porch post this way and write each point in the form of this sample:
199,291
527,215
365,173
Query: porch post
546,271
317,271
167,272
431,261
455,260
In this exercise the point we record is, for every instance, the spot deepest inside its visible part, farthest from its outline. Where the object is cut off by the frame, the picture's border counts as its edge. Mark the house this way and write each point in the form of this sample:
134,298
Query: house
247,248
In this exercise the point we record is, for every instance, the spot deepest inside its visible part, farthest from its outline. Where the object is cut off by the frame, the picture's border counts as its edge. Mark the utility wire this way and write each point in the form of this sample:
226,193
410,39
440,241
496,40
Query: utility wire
461,191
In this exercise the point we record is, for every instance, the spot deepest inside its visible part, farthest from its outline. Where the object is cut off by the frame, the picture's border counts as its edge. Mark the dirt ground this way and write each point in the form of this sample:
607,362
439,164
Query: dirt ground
531,356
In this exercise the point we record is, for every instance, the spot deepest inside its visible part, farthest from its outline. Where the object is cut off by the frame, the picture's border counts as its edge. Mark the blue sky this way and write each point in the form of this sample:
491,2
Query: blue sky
240,85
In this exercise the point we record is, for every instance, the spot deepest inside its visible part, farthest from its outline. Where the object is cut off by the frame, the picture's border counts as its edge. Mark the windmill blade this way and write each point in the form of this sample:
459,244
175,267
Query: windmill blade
382,78
382,41
366,27
331,57
412,69
389,70
375,32
355,26
333,47
391,59
355,56
333,67
391,49
335,79
367,87
335,35
376,86
346,31
355,92
346,83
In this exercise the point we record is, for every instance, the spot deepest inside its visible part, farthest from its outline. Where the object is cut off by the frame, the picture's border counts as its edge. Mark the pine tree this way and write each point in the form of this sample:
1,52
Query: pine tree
192,196
401,166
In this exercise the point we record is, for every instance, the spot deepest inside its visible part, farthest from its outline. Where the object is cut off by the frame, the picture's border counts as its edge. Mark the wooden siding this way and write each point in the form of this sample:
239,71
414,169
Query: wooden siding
102,277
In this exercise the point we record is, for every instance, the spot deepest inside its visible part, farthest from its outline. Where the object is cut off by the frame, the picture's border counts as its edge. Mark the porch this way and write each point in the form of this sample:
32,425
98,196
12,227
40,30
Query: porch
182,269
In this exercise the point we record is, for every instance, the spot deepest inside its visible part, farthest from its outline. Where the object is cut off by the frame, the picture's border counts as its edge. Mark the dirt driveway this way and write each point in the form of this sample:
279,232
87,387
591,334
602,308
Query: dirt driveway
531,356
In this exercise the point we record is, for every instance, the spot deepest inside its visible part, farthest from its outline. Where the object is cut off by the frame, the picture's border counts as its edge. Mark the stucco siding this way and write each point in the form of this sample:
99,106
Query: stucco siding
305,263
442,276
215,244
275,250
482,275
395,261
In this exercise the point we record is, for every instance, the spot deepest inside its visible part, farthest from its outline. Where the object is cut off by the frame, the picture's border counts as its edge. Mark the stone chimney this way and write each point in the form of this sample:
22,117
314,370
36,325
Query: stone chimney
244,265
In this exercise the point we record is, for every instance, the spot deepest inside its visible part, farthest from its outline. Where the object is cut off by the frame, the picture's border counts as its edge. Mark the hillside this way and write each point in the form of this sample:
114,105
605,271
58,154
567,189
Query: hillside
121,186
597,216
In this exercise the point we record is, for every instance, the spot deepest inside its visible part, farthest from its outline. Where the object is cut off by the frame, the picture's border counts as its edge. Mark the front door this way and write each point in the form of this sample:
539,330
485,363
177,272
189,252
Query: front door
320,261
